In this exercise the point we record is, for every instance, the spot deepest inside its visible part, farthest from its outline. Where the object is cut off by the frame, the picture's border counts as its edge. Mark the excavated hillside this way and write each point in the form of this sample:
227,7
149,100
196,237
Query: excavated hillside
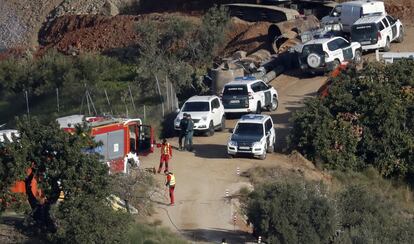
99,26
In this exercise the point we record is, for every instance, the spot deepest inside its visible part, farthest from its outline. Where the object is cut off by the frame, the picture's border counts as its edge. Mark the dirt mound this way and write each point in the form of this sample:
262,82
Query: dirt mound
246,36
91,33
403,9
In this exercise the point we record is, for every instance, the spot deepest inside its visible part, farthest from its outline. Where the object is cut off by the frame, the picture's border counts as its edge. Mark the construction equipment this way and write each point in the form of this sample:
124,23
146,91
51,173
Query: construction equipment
258,12
288,32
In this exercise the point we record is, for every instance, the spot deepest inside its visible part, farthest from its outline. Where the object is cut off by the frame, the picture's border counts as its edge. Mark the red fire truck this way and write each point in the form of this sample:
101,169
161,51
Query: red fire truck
122,139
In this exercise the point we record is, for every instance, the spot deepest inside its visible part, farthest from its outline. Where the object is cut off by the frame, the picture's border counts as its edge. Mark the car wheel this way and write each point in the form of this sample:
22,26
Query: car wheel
358,57
223,123
387,45
263,156
401,35
259,108
210,131
275,103
314,60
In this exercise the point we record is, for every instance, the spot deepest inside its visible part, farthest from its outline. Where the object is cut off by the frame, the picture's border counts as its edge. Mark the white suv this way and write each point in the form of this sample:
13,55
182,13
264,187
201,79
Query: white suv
207,112
254,135
327,54
377,32
248,94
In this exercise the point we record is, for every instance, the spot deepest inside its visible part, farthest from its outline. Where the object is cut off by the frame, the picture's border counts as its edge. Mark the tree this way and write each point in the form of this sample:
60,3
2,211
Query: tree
60,162
369,217
180,49
366,120
291,213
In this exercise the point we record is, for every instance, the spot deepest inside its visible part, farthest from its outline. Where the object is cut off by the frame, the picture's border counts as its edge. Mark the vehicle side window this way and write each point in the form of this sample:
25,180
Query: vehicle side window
380,26
268,125
342,43
385,22
332,45
256,86
263,86
215,103
390,19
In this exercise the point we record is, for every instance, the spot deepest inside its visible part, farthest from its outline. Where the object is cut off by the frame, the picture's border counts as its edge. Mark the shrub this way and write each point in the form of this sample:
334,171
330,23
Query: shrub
59,164
366,120
368,217
291,213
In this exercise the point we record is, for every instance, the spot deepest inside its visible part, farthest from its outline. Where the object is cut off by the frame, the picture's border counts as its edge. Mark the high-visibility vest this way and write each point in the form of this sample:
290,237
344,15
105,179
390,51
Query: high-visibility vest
165,149
172,180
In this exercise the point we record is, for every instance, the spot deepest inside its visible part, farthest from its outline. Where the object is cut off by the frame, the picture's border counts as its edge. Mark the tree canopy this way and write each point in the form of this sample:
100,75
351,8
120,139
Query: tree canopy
366,120
60,163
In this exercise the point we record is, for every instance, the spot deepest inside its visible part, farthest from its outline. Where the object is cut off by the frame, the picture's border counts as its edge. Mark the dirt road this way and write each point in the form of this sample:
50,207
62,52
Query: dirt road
202,212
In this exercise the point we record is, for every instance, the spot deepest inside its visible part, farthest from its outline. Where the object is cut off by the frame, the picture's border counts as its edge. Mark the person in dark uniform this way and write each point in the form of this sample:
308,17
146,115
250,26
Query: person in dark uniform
189,135
183,129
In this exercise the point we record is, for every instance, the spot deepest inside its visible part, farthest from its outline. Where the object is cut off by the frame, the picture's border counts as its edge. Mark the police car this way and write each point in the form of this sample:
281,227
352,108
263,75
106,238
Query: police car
248,94
326,54
253,135
377,32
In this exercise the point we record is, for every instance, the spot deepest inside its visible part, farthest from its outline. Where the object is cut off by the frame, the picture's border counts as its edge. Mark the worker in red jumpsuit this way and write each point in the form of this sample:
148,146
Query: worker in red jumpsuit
166,154
171,185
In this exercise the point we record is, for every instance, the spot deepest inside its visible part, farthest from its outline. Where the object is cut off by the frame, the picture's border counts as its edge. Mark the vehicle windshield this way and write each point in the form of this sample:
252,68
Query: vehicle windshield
249,129
235,90
312,48
364,32
196,107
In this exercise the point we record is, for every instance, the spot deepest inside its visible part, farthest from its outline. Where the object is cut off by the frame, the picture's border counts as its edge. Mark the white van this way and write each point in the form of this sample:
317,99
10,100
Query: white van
348,12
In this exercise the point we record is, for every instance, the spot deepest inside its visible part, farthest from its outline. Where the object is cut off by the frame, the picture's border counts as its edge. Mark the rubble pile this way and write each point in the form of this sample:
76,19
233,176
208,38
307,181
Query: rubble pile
76,33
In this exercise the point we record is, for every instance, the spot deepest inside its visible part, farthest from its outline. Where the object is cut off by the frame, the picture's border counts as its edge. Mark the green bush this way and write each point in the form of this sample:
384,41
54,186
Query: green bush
368,217
181,50
291,213
59,164
358,208
366,120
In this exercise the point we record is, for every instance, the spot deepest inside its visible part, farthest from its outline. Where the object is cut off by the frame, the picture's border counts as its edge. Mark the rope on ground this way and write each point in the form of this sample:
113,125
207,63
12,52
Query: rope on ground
172,222
168,214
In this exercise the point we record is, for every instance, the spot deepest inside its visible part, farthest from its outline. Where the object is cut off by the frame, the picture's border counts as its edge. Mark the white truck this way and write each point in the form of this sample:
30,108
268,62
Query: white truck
348,12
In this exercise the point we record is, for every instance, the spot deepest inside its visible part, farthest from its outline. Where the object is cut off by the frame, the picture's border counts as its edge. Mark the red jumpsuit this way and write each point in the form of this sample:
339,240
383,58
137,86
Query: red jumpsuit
166,154
171,185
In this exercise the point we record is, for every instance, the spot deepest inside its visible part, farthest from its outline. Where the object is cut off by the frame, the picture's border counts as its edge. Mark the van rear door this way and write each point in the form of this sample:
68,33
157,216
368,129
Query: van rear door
366,34
349,15
235,96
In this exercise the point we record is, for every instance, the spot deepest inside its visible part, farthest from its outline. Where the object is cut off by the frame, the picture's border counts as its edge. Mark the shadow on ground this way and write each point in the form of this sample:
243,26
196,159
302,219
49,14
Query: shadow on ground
216,235
13,230
210,151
